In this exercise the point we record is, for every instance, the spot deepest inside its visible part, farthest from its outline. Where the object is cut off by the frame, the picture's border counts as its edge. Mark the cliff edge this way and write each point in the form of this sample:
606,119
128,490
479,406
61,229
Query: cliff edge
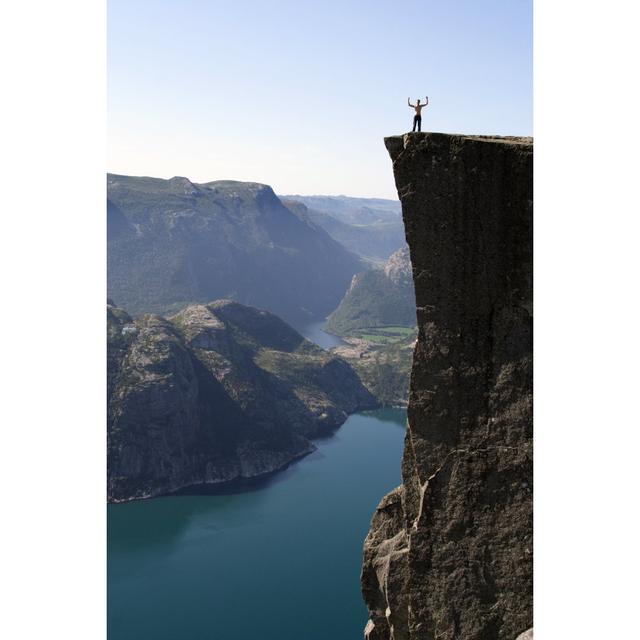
449,552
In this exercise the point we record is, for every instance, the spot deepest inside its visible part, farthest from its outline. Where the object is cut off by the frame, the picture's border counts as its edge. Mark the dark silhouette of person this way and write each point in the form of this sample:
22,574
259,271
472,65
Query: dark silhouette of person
417,119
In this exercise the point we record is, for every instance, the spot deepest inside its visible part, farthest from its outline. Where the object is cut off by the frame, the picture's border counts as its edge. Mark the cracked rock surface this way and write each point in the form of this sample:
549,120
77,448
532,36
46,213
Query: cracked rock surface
449,553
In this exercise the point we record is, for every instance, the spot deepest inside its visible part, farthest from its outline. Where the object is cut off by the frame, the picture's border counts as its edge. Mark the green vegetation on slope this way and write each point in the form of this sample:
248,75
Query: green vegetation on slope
377,298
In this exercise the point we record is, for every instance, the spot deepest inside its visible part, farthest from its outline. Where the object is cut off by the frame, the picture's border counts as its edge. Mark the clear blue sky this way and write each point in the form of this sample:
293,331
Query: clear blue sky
299,94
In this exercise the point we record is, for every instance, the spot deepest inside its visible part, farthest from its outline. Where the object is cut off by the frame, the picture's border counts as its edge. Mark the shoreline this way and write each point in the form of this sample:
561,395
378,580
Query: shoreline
240,483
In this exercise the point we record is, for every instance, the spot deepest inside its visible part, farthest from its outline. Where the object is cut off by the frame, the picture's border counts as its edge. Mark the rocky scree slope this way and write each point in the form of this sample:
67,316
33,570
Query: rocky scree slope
449,552
214,393
174,242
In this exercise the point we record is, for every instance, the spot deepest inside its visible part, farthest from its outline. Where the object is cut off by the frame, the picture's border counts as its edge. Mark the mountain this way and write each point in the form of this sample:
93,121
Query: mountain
377,298
174,242
353,210
450,552
371,228
215,393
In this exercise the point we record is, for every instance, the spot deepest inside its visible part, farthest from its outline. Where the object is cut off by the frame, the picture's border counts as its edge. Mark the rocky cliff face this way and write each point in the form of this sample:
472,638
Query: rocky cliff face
217,392
449,553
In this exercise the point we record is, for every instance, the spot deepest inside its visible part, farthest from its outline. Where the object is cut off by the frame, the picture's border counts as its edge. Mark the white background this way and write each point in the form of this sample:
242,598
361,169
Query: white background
52,235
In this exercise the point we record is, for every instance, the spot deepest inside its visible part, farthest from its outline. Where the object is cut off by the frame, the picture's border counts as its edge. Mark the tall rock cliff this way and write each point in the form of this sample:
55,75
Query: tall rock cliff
449,553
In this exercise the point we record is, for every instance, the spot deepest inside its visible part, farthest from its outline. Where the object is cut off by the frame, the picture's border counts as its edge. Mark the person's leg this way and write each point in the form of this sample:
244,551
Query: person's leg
419,123
415,122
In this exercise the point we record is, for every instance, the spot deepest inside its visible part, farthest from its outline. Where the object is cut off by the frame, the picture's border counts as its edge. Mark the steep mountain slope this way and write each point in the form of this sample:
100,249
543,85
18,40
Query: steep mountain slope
173,242
377,298
217,392
449,552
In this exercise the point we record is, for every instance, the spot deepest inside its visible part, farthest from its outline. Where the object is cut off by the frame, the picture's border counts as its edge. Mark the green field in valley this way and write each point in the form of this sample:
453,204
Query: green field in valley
385,335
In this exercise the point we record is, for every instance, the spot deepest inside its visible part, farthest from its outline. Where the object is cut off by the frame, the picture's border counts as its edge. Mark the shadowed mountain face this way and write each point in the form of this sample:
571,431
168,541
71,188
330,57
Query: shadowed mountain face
449,552
217,392
369,227
173,242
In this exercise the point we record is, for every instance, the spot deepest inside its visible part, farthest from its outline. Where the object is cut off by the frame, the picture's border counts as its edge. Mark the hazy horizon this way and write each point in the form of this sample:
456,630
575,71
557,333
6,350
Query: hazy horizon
304,195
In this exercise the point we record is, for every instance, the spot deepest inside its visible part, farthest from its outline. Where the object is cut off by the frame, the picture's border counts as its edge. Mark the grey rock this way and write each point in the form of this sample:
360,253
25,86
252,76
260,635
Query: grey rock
398,268
449,554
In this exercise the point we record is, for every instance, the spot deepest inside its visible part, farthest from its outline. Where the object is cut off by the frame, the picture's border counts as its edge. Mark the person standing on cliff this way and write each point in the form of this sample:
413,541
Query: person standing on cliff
417,119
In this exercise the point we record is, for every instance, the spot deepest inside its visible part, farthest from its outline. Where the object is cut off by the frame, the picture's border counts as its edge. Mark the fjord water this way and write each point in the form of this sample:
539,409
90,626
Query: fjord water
276,560
317,334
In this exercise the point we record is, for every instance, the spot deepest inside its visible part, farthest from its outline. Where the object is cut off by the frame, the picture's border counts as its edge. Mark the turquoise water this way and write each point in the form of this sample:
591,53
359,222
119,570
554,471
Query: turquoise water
277,560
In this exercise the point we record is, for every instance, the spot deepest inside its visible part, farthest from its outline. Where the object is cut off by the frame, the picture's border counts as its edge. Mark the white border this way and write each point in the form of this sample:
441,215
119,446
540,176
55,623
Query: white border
53,275
586,301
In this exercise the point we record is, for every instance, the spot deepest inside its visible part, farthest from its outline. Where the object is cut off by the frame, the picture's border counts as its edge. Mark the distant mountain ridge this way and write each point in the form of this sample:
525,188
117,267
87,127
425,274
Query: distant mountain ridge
174,242
352,210
369,227
217,392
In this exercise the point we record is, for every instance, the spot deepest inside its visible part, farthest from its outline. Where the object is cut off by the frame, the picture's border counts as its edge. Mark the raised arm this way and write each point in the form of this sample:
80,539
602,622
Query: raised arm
409,103
426,102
